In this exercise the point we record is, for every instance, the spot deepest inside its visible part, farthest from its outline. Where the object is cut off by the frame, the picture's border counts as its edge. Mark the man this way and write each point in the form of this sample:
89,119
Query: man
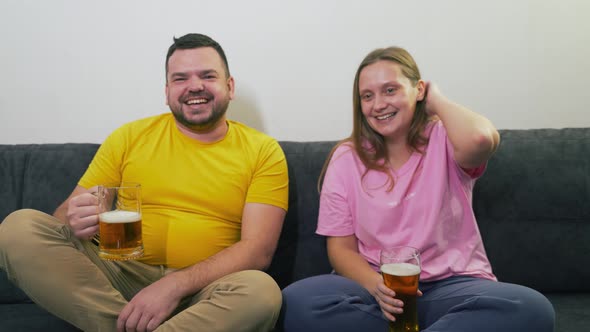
214,198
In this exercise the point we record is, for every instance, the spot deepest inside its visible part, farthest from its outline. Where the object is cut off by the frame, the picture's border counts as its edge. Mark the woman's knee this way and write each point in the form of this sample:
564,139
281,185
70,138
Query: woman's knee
329,303
519,308
299,295
536,310
297,288
297,312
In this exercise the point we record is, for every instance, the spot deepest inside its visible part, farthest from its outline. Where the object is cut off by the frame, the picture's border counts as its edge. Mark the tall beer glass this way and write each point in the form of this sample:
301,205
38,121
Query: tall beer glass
119,218
400,267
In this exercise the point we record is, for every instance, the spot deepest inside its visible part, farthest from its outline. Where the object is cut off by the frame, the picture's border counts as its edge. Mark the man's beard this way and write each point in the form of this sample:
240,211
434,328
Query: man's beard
218,110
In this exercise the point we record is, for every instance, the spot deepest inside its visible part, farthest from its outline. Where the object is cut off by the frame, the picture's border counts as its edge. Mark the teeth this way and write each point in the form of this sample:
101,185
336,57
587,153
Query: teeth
386,116
196,101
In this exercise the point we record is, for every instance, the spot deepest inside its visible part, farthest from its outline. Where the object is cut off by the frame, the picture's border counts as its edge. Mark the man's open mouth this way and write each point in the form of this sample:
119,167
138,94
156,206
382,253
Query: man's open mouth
196,101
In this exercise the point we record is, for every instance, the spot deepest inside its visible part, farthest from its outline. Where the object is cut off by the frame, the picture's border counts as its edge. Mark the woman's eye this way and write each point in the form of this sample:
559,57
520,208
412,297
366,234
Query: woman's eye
390,90
366,96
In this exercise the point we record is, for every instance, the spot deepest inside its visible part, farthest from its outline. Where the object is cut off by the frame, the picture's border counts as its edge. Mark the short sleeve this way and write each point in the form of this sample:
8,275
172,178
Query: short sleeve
440,133
107,162
270,182
335,217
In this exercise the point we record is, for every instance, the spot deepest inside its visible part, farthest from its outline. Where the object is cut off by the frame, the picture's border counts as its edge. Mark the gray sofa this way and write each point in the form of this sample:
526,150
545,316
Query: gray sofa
532,205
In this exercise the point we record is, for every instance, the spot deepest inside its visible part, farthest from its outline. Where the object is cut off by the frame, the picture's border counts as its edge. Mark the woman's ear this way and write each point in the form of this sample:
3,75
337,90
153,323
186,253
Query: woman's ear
421,86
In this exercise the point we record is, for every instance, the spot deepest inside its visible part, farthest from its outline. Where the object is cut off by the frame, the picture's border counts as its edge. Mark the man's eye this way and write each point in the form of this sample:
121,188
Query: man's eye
179,79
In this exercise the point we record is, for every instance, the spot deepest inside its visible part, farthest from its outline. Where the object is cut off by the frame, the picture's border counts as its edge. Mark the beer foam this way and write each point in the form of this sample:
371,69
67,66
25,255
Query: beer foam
400,269
119,216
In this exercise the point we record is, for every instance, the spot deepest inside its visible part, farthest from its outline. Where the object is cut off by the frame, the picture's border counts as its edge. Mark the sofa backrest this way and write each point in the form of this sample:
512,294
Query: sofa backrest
40,176
302,253
532,203
533,208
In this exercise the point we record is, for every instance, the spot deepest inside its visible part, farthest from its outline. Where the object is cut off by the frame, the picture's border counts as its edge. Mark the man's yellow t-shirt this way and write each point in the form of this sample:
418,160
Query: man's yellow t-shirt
193,193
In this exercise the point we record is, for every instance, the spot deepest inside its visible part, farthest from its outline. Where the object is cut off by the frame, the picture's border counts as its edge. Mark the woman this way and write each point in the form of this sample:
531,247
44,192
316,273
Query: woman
405,177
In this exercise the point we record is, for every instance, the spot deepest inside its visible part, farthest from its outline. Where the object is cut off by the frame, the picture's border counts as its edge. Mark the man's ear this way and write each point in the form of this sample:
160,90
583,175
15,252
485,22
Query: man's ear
166,92
231,87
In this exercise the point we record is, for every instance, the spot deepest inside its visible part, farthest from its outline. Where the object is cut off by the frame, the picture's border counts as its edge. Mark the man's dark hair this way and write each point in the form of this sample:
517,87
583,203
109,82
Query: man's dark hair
196,40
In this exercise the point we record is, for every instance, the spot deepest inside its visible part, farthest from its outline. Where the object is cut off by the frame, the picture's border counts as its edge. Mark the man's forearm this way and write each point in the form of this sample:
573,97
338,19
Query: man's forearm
60,213
244,255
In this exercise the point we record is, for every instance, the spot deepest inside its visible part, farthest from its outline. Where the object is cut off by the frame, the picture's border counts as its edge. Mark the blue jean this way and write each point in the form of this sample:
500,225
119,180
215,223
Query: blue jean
334,303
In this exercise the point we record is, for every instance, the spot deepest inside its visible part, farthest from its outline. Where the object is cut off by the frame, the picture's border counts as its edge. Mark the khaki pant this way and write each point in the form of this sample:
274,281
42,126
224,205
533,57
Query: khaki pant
66,277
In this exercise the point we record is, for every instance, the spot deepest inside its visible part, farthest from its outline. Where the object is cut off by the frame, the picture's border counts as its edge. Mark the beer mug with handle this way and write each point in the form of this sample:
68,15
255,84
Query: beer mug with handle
400,267
119,219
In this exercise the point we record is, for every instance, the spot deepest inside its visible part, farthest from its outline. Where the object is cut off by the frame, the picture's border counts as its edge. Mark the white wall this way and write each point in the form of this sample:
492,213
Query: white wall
72,71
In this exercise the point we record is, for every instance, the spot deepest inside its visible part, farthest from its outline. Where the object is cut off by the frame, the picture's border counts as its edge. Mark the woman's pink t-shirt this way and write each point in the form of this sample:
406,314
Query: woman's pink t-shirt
429,208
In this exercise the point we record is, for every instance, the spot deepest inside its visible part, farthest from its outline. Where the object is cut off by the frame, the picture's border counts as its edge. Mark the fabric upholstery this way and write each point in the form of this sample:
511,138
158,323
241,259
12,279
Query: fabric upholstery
532,206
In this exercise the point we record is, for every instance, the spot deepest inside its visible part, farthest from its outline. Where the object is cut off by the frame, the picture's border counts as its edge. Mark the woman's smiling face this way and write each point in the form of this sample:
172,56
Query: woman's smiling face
388,99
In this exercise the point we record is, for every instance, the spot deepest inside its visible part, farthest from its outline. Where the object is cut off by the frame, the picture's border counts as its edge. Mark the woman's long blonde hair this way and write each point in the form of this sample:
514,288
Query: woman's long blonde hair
367,143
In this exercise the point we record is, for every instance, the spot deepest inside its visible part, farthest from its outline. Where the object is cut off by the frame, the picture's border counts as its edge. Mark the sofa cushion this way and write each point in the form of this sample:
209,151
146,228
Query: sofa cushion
52,172
30,317
532,208
9,293
305,160
39,177
571,310
12,167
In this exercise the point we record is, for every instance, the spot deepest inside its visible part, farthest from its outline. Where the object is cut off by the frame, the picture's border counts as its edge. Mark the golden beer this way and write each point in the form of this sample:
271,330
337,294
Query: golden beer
120,235
119,220
400,268
403,279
